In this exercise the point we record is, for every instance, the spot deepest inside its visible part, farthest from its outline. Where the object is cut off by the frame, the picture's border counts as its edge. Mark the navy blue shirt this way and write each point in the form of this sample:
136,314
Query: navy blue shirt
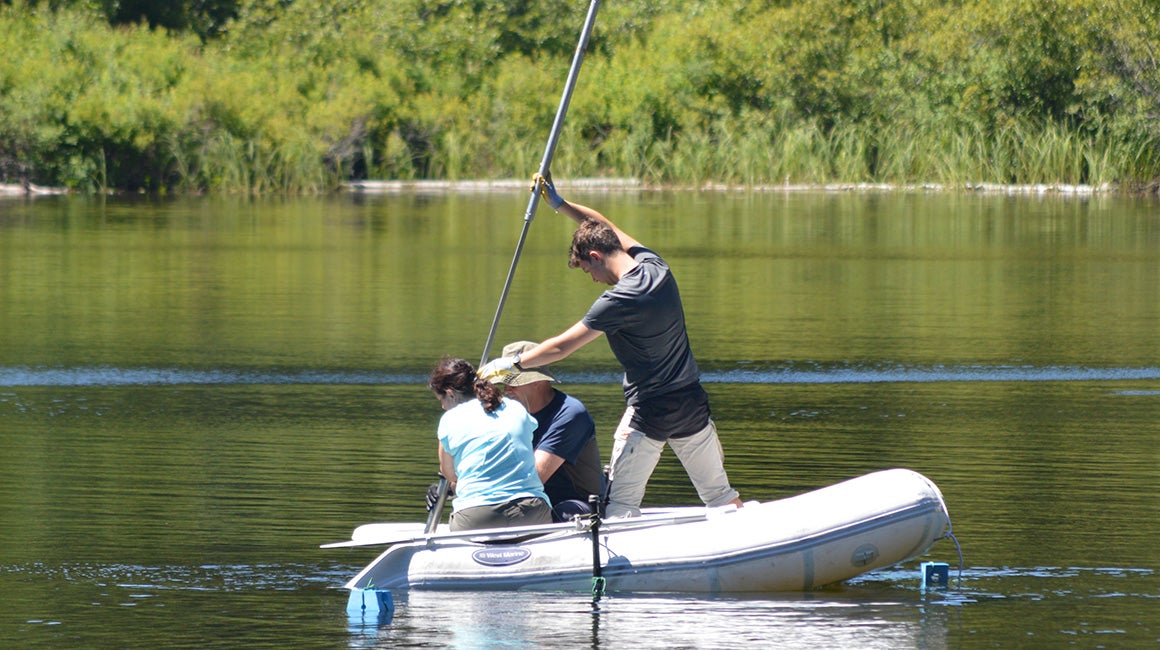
566,429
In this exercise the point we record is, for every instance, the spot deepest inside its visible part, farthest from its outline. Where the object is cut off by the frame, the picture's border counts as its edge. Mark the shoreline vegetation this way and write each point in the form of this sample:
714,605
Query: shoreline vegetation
303,96
629,184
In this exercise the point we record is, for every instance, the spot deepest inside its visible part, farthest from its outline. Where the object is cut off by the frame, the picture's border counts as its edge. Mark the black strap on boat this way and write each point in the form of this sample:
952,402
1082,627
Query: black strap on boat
601,506
597,570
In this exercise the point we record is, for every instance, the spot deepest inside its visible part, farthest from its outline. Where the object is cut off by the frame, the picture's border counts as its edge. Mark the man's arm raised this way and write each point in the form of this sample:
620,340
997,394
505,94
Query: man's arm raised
579,213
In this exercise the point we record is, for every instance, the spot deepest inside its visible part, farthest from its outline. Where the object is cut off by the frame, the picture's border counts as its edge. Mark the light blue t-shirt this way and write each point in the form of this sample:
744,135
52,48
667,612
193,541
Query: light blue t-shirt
494,459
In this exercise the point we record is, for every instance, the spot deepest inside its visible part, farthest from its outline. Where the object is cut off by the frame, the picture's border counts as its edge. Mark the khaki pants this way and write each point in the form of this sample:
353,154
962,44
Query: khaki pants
635,455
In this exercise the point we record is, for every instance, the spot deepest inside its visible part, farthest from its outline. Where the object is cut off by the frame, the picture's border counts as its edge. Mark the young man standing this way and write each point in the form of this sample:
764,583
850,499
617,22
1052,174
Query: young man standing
644,321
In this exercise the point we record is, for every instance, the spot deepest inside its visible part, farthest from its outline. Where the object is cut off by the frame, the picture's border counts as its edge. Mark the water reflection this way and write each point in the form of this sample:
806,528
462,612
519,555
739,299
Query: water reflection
195,394
112,376
797,373
534,620
263,605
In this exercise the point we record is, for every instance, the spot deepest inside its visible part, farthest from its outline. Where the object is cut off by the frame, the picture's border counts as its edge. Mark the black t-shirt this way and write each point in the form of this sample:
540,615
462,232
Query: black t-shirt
644,321
680,413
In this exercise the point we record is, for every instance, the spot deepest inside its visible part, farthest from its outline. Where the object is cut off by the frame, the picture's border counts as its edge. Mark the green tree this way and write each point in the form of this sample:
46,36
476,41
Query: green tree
205,18
264,95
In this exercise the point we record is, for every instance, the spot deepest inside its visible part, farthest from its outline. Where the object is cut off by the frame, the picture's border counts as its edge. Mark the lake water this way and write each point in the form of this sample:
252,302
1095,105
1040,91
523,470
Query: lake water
195,394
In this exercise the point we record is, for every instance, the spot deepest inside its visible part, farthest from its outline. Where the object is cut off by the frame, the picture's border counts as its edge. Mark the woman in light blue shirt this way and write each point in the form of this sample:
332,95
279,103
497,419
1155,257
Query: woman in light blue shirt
485,451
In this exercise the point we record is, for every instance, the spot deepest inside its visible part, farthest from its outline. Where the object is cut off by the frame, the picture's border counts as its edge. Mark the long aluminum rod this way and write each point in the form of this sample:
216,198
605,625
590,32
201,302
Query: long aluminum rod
545,166
436,513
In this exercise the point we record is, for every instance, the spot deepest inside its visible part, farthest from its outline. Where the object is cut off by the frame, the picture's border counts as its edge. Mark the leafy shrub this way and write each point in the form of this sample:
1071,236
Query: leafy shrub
280,95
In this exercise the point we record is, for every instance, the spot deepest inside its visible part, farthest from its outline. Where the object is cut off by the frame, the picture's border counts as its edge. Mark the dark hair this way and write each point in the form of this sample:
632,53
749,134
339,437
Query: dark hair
592,235
459,375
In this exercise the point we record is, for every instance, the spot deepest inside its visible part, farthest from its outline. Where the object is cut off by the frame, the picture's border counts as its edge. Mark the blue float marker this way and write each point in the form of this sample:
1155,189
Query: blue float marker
370,602
934,574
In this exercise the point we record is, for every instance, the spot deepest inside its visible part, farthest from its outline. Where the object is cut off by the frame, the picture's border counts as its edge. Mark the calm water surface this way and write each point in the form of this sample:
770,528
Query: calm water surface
195,394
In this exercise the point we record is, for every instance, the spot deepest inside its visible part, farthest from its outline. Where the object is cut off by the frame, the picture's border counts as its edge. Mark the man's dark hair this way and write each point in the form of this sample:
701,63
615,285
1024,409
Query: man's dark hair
592,235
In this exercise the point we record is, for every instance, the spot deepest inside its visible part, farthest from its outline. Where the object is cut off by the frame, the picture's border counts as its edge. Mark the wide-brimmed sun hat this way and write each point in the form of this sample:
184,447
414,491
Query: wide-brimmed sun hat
527,375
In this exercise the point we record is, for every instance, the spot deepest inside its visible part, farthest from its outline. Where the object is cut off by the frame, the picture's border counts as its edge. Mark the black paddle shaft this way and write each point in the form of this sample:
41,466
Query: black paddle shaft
597,568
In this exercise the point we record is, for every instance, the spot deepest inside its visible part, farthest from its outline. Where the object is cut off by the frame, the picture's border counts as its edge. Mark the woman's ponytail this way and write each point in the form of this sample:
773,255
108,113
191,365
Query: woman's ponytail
459,376
487,394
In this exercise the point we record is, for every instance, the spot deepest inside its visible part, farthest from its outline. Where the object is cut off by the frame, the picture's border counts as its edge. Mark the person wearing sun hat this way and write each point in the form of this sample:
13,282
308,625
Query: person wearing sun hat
566,450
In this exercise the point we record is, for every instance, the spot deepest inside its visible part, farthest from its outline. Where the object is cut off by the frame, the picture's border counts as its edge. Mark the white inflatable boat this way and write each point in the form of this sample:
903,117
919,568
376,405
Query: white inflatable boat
794,544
